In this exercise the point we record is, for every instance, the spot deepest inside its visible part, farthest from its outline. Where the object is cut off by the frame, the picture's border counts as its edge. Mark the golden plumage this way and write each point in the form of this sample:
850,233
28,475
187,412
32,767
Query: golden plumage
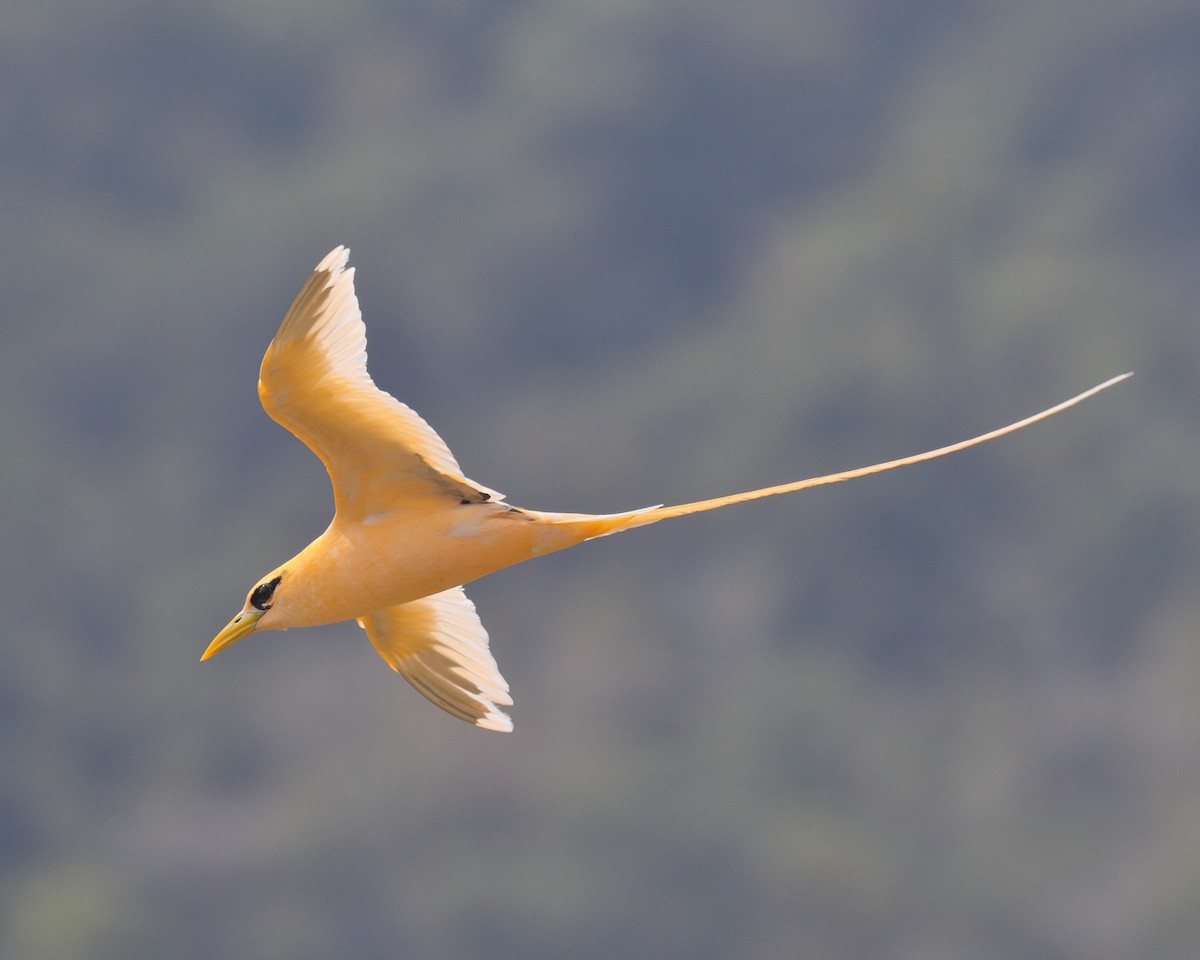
409,529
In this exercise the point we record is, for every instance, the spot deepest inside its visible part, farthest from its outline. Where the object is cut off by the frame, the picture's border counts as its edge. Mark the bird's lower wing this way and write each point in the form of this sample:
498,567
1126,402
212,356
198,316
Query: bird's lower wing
439,646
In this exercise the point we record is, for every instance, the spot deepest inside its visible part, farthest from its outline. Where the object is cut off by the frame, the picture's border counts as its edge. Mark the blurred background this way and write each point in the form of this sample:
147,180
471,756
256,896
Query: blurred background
617,253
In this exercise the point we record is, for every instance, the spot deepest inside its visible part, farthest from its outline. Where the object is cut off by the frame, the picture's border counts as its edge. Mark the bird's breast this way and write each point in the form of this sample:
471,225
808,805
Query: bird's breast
357,568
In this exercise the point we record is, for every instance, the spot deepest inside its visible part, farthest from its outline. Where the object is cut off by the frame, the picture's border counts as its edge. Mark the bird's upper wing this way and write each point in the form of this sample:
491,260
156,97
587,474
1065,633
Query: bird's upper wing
439,646
379,453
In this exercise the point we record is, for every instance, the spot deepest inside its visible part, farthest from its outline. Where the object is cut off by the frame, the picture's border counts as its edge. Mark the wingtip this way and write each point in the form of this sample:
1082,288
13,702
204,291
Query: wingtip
336,259
496,720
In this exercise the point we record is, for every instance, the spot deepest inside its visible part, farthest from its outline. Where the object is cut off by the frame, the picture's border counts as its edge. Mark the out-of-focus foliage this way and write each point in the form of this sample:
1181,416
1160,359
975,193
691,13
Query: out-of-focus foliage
618,253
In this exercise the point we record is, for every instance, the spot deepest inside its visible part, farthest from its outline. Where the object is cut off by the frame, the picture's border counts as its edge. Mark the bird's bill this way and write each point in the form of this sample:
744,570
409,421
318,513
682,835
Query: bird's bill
240,626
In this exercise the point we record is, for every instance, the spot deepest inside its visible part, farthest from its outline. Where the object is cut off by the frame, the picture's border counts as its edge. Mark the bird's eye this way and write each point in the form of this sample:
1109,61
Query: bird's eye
260,598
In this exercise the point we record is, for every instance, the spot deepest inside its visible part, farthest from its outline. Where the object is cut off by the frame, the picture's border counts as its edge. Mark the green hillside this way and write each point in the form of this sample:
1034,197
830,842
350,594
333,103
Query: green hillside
617,254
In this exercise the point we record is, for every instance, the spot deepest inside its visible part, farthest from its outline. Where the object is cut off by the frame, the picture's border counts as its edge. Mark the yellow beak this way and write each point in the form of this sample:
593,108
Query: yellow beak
241,625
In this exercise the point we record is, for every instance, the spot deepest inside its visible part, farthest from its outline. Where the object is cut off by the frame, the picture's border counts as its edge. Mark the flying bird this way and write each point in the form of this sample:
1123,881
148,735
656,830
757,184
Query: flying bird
409,528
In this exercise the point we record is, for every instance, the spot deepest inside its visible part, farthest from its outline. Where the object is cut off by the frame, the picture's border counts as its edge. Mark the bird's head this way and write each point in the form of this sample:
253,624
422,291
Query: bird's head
259,601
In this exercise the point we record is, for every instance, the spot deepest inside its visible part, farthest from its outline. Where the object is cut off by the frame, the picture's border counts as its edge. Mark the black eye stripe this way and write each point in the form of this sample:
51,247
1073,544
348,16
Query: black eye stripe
260,598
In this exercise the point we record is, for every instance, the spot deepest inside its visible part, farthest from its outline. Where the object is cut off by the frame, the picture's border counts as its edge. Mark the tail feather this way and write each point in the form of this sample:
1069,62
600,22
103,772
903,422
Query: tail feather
613,523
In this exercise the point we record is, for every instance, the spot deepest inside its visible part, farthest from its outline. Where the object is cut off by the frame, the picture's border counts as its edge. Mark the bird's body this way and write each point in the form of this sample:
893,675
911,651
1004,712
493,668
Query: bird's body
356,568
409,529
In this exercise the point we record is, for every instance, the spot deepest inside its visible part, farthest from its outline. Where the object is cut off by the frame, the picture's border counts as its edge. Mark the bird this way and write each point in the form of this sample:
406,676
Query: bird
409,528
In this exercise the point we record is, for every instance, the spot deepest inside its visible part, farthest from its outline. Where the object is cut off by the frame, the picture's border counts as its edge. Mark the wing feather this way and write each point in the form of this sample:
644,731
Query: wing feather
439,646
381,456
